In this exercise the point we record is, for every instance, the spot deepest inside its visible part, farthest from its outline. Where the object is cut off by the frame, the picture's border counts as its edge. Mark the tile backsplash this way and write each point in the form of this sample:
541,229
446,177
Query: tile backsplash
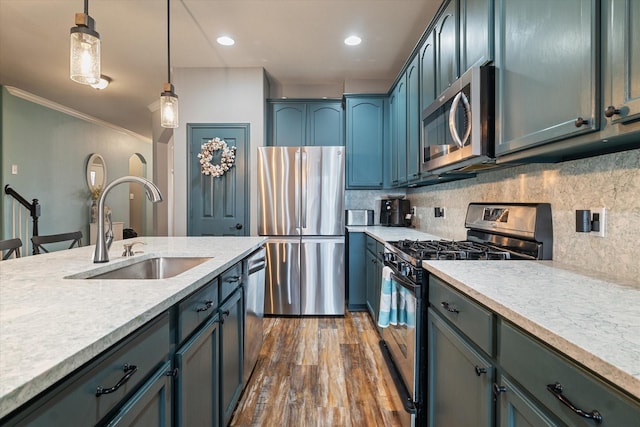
611,181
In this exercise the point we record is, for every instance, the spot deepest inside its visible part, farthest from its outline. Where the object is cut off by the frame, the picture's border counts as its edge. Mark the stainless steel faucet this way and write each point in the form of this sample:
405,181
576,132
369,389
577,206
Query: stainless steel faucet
153,194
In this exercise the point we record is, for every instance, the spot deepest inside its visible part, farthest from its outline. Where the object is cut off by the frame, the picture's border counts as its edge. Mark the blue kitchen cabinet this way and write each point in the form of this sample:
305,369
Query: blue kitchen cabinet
517,409
231,353
151,405
427,71
305,122
460,379
398,128
197,389
554,381
414,122
356,272
116,385
374,266
546,71
447,47
287,121
325,124
476,33
622,61
365,138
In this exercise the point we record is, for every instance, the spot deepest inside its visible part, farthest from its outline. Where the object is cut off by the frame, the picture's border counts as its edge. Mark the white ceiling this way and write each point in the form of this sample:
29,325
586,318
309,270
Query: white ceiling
298,42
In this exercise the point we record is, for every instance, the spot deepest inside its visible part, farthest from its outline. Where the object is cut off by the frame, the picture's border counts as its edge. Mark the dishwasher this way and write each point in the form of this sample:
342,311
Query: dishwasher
254,311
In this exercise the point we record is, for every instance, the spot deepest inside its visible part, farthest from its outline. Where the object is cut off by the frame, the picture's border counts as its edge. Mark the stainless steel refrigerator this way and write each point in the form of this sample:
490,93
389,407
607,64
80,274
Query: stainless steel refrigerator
301,191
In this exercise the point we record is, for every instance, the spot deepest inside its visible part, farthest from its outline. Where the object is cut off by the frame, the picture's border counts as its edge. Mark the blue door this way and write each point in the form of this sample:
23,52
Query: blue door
218,206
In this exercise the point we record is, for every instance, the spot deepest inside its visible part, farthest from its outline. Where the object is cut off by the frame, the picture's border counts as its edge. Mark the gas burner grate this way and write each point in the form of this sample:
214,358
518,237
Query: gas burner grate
451,250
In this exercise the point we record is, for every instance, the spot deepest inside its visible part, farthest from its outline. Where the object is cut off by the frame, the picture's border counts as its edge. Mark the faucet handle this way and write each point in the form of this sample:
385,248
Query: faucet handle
128,248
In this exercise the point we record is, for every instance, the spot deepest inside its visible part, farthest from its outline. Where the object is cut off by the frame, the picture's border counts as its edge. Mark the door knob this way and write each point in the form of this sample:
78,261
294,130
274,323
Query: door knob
238,226
611,111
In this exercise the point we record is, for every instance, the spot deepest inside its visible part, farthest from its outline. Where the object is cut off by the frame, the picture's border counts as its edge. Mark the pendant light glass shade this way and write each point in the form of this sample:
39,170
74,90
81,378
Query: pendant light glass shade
168,107
84,65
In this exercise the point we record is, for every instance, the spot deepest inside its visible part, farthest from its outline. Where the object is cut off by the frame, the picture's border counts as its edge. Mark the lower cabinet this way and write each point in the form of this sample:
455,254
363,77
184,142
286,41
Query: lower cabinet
485,371
460,379
373,270
516,409
231,354
197,383
356,272
119,387
151,405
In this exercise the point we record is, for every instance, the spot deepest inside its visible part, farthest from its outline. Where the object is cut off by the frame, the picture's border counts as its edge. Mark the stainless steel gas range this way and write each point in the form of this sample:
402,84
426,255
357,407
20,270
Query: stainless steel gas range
495,231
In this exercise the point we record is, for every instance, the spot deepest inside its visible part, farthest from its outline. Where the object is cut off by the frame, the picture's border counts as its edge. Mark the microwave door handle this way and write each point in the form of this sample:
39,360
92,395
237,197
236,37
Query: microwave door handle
452,119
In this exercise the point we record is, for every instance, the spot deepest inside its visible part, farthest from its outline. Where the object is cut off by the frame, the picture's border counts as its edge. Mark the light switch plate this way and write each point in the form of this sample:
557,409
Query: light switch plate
14,169
603,221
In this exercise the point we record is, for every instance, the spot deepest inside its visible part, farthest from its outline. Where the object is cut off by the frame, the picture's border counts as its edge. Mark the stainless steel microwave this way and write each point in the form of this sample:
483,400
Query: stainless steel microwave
458,127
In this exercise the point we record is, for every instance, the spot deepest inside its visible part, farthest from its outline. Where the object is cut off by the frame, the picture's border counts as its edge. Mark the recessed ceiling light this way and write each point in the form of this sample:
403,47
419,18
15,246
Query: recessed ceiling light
225,41
352,41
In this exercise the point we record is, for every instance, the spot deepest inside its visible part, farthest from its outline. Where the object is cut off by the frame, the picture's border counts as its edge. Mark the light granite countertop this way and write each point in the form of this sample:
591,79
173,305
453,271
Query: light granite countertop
592,320
51,325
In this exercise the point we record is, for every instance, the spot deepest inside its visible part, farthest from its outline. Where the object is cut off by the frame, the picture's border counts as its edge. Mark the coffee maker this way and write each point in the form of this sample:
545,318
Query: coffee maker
395,212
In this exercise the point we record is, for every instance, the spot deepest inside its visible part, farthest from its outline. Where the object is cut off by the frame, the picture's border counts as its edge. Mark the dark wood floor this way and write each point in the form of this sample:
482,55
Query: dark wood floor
319,371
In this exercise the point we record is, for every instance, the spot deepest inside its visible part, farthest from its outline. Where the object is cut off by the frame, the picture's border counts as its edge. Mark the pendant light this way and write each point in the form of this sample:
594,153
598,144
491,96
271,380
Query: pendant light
85,49
168,98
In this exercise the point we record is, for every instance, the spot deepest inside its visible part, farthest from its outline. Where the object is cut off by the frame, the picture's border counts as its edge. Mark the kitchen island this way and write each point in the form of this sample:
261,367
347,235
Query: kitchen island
592,320
51,325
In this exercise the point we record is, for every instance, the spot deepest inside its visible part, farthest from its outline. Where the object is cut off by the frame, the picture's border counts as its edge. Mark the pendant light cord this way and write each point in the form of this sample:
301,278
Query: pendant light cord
168,43
86,7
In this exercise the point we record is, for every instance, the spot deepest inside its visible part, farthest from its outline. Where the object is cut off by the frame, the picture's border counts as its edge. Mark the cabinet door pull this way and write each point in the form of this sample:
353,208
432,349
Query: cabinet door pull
129,370
581,122
172,372
223,315
556,390
611,111
233,279
449,307
207,306
497,389
479,370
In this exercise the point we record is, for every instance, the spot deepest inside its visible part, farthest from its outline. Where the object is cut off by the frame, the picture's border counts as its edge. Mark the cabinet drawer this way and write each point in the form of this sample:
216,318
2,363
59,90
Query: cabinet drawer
469,317
535,366
372,244
196,308
230,280
74,401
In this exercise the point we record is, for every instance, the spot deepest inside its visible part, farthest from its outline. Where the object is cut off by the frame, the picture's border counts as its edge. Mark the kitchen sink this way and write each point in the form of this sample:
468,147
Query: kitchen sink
149,269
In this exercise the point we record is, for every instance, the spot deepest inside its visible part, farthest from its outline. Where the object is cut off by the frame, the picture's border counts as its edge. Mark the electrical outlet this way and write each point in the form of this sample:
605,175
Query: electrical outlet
438,212
598,221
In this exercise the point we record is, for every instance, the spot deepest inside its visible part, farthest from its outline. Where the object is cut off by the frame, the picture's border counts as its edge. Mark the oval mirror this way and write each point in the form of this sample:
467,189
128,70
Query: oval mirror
96,173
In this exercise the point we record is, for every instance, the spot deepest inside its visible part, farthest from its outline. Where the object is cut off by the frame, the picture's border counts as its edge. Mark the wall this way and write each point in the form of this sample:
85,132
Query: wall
51,146
208,95
611,181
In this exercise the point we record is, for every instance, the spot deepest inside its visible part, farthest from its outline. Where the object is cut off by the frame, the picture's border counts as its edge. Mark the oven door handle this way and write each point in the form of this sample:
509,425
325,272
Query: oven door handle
411,287
452,119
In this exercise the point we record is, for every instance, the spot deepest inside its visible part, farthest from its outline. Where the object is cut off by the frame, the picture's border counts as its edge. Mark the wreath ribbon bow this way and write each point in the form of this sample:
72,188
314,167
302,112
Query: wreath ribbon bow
227,159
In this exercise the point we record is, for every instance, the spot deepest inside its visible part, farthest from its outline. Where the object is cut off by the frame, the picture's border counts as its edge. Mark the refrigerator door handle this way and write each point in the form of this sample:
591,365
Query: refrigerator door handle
296,191
304,190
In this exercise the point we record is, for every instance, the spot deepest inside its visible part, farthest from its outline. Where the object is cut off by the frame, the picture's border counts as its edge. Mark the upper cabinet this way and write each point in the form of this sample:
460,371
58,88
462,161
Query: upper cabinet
476,33
413,120
398,157
447,48
546,71
299,122
365,140
622,61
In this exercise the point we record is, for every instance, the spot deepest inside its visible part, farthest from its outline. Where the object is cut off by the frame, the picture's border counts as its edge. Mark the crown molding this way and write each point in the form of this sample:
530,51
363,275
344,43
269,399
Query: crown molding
70,111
